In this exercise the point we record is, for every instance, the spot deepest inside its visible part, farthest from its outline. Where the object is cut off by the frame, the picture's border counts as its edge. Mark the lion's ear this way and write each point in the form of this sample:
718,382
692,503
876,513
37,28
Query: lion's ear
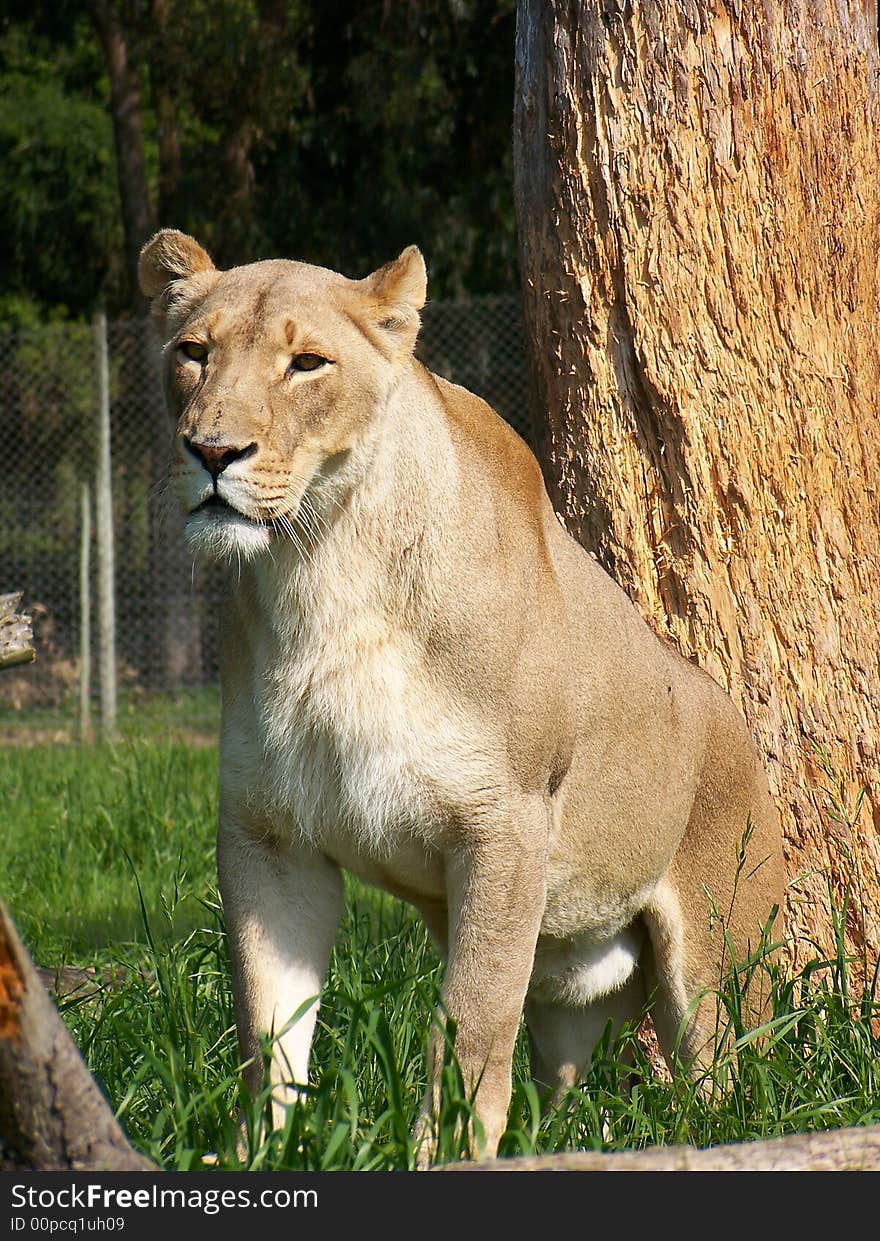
399,290
168,257
403,281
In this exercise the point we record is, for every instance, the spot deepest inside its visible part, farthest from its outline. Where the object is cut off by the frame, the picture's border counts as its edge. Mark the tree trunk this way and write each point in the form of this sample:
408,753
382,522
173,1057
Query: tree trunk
237,225
237,221
698,197
125,108
163,72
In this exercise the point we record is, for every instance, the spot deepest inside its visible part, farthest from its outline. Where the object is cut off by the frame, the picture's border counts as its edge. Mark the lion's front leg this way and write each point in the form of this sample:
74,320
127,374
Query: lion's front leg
282,906
496,886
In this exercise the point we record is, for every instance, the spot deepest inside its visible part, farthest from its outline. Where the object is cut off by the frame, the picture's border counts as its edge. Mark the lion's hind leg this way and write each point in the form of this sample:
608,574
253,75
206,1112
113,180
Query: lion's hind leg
708,915
681,1017
568,1013
688,973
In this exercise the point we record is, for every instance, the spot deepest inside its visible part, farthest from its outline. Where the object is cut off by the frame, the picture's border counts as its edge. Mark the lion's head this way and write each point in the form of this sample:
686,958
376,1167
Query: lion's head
276,372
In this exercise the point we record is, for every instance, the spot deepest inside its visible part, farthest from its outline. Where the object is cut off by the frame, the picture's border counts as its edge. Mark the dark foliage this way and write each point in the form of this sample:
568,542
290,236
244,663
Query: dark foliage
336,132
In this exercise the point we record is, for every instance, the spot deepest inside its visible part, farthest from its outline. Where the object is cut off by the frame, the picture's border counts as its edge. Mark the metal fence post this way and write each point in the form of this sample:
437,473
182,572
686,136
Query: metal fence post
85,615
104,523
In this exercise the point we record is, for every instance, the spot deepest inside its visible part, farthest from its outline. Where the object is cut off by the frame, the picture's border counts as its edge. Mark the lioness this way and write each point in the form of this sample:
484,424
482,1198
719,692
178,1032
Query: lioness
425,680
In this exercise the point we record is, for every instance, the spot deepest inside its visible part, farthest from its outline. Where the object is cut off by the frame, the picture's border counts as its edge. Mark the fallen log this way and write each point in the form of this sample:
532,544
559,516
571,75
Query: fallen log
16,635
836,1150
53,1117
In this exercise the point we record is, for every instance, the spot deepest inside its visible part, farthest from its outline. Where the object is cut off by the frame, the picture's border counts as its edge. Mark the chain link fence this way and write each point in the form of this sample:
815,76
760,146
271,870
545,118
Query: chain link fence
167,613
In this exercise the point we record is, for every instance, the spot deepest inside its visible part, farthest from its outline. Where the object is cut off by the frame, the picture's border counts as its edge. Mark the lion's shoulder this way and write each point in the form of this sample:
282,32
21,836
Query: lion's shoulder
489,443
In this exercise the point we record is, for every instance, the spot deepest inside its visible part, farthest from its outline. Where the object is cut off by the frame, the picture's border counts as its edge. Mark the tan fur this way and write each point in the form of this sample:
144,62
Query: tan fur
426,681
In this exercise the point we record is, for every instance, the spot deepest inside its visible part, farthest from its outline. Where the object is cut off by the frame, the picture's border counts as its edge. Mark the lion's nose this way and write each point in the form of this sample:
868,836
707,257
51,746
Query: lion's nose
216,457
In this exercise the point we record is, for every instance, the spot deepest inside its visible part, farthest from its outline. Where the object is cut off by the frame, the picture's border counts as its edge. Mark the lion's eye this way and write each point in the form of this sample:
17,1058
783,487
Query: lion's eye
193,349
307,362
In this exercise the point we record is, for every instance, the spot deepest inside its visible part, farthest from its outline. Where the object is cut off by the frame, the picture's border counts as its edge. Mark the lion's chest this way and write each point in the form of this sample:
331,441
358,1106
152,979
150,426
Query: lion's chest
349,742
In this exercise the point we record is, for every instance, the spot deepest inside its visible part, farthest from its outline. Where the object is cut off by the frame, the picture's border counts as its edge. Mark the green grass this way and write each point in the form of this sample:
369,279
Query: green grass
107,858
187,715
79,822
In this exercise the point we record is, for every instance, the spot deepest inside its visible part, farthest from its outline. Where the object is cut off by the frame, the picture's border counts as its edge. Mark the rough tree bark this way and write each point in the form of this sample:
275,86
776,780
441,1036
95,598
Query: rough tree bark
698,198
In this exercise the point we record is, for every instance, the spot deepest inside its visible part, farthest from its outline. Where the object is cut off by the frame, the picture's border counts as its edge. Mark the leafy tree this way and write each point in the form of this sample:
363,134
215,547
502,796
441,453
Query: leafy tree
60,235
336,132
407,140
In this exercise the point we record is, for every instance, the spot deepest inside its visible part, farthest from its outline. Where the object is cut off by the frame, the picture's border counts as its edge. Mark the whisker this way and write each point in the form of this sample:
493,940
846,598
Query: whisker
311,522
303,548
283,522
297,517
309,506
313,514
